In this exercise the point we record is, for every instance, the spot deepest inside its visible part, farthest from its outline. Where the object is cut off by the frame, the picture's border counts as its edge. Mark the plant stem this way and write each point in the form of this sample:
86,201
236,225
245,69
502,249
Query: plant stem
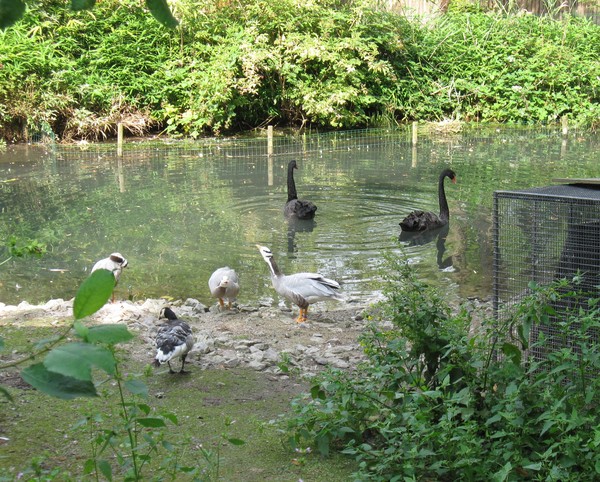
130,433
6,260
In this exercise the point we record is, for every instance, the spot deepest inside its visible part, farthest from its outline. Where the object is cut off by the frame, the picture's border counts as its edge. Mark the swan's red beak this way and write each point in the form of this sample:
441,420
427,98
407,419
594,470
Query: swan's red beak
454,180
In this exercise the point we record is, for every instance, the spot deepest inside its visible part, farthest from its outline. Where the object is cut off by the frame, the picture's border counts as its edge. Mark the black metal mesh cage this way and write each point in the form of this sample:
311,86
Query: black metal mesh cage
543,235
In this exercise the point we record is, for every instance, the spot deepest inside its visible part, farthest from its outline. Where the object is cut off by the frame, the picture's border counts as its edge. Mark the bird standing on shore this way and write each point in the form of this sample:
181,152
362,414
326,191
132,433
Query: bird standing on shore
302,289
115,263
173,340
224,283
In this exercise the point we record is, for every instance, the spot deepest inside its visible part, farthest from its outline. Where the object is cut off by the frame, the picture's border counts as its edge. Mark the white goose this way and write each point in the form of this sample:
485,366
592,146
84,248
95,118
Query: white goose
302,289
173,340
115,263
224,283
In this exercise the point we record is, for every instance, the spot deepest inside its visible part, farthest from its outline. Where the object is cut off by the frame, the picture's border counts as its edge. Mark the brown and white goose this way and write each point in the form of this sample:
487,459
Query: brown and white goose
115,263
224,283
173,340
302,289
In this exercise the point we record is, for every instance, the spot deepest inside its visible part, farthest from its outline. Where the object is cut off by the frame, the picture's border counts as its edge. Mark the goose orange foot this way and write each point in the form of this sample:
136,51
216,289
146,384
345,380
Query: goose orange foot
302,316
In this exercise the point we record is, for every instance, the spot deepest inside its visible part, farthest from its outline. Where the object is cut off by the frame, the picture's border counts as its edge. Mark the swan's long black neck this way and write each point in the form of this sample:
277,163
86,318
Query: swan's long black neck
444,210
291,185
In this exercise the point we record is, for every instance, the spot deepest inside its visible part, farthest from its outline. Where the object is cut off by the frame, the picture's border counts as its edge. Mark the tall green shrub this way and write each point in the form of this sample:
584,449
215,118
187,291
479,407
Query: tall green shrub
240,65
470,415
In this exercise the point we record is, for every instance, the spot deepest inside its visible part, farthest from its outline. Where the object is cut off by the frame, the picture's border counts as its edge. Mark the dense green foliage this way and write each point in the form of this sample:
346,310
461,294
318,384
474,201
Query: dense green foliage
327,64
433,403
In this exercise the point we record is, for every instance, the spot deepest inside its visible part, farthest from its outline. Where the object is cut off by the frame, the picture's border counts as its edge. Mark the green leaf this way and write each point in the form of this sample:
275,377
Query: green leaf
171,417
89,466
161,12
10,12
78,5
109,334
137,387
93,293
105,469
512,352
151,422
323,445
316,392
6,393
81,330
57,385
1,343
236,441
77,359
145,408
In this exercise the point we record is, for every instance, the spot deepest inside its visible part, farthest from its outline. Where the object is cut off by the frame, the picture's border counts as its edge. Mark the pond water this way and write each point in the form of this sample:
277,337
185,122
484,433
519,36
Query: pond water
177,211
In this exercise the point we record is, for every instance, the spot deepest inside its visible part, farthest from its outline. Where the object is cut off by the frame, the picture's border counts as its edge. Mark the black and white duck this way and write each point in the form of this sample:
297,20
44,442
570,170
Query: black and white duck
173,340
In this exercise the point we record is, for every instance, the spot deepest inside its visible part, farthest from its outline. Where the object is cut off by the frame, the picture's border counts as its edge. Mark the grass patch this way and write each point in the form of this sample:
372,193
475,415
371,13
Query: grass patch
210,405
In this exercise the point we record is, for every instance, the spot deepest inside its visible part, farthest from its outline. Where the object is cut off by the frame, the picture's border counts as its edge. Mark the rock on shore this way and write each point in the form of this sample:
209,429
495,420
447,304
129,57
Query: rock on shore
263,338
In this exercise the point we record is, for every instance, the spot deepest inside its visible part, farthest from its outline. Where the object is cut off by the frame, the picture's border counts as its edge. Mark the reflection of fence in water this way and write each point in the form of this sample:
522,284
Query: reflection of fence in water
542,235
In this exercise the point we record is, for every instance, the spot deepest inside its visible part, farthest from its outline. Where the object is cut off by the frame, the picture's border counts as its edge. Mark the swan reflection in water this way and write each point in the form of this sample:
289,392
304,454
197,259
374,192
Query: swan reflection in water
419,238
296,225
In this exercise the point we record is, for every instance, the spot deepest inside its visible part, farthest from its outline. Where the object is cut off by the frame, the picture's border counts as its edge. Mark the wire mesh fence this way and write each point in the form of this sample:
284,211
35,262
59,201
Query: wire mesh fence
542,235
292,145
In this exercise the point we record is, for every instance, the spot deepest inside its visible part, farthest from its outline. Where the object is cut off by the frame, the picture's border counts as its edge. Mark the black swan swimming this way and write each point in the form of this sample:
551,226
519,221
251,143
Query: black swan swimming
422,220
295,207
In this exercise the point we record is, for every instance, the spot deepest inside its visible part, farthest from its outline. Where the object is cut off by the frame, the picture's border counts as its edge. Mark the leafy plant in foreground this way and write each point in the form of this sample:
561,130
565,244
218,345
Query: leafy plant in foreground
135,434
468,414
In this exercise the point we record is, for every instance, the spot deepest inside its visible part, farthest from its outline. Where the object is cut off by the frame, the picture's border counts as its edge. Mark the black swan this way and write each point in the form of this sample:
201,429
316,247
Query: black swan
295,207
422,220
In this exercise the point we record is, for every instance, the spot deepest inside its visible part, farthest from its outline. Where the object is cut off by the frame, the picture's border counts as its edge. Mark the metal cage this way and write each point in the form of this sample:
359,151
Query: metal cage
543,235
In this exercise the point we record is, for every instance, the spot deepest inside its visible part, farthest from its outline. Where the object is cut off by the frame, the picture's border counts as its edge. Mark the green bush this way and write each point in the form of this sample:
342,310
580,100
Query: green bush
432,403
327,64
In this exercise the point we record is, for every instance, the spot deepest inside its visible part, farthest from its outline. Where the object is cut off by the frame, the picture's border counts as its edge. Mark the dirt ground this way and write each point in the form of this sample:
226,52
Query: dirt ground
256,336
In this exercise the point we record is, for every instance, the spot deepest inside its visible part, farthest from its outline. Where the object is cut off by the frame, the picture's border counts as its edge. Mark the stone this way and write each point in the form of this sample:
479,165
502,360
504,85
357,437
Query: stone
271,355
232,362
195,305
257,365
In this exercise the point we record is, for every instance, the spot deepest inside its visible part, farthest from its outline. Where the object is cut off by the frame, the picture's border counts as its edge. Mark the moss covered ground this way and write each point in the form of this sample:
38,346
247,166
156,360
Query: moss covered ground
211,406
